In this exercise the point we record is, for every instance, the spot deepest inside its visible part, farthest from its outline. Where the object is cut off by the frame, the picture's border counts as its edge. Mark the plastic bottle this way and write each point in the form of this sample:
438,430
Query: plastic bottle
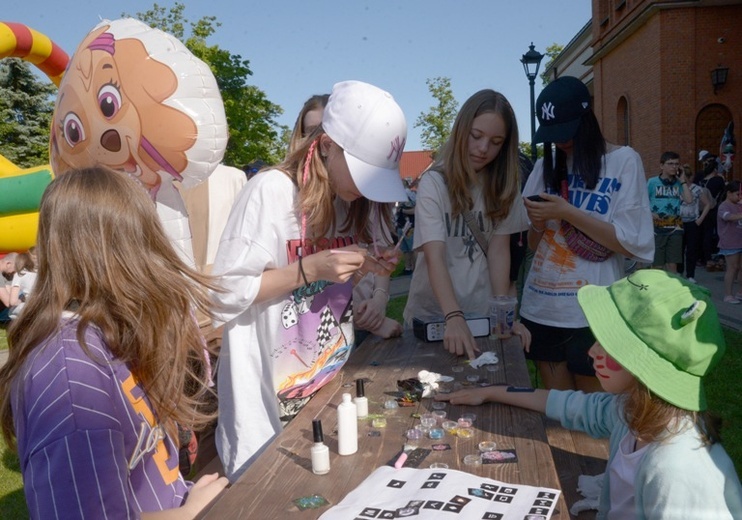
361,400
347,427
320,451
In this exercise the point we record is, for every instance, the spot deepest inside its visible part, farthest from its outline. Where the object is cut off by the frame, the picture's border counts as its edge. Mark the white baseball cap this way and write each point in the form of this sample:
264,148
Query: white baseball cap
369,126
702,154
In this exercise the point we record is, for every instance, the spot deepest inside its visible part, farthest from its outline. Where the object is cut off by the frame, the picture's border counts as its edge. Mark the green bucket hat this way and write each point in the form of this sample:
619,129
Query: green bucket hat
661,328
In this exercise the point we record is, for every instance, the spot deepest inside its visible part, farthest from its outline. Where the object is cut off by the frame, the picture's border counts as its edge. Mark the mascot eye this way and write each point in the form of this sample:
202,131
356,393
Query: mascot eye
72,129
109,100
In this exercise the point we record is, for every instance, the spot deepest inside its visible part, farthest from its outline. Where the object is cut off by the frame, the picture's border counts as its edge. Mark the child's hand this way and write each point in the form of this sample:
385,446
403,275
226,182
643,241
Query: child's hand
552,207
457,338
206,489
525,335
334,265
371,313
468,396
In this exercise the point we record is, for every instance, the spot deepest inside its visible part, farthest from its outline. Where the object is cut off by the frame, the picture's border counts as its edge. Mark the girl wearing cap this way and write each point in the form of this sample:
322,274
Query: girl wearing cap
730,239
475,178
657,336
288,257
595,211
371,293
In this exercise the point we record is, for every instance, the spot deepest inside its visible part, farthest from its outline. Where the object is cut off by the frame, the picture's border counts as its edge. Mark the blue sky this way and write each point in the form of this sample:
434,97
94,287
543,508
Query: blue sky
299,48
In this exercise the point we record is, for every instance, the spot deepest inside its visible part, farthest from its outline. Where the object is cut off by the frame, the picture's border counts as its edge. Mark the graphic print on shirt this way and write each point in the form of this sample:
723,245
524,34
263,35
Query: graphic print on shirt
151,435
554,254
318,328
458,228
665,203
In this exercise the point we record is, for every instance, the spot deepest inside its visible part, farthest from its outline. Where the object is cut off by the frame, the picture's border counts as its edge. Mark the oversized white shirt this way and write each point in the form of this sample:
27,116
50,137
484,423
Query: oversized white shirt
285,348
619,197
465,260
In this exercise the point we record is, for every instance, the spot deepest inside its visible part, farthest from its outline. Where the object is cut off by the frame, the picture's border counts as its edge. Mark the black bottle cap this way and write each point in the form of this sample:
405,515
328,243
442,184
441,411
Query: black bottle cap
317,430
359,388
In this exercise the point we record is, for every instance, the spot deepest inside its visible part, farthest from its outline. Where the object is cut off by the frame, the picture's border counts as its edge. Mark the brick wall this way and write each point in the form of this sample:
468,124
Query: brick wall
660,60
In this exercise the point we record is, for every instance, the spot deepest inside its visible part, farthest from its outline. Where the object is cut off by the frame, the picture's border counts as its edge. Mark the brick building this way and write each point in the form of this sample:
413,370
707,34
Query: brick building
649,66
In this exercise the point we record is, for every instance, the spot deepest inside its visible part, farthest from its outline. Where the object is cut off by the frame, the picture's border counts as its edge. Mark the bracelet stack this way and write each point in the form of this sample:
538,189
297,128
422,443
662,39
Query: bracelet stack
454,314
537,230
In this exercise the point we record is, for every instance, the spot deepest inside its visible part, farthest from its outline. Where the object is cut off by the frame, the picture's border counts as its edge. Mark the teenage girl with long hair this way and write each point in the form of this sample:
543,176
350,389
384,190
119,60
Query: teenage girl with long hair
594,211
288,258
106,359
475,178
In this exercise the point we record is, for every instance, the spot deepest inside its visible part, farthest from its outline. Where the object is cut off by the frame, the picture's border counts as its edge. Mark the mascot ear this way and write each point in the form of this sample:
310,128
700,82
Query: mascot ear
171,101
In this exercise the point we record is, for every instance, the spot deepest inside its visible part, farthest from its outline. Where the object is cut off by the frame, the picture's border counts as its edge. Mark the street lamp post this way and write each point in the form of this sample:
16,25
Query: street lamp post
531,61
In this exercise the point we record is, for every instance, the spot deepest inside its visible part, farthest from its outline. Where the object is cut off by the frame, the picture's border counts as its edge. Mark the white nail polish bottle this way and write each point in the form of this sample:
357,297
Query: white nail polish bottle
320,451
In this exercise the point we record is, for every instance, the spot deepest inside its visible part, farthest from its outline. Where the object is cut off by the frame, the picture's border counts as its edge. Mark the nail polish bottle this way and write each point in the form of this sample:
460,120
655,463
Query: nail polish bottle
320,451
347,427
361,400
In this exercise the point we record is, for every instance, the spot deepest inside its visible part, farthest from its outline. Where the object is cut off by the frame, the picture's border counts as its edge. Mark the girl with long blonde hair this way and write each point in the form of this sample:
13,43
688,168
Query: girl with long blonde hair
106,359
474,179
288,258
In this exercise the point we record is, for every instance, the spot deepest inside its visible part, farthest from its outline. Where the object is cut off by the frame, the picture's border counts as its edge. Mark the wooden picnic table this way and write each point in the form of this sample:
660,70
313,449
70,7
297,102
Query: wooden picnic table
283,472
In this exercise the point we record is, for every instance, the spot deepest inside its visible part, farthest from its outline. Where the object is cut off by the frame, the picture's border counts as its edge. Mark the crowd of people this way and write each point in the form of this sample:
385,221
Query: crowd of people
107,358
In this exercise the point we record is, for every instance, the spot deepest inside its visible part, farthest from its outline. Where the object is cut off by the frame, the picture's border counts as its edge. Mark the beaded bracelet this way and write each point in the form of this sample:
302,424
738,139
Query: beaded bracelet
454,314
303,275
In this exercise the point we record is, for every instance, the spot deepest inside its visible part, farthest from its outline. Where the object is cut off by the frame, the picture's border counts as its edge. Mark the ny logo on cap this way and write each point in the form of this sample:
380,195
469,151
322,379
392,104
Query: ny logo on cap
547,111
397,146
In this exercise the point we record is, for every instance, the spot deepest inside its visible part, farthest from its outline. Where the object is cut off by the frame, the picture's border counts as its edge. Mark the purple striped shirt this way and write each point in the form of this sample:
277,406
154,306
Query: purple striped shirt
88,442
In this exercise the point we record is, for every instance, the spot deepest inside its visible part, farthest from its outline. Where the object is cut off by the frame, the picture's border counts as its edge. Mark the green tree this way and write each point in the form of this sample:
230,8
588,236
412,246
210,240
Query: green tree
552,51
437,122
26,106
254,132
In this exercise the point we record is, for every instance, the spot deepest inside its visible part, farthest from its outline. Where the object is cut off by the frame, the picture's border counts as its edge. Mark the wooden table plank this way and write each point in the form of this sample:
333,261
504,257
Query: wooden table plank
283,472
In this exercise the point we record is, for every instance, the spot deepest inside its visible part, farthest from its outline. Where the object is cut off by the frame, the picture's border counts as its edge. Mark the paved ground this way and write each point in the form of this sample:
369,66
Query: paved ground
730,315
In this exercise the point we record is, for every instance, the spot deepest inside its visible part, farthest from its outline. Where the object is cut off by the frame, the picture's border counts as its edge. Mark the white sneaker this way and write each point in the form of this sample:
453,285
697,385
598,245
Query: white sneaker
691,279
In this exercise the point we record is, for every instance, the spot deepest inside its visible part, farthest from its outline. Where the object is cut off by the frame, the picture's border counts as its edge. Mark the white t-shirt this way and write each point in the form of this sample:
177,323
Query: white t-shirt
622,470
465,260
619,197
286,348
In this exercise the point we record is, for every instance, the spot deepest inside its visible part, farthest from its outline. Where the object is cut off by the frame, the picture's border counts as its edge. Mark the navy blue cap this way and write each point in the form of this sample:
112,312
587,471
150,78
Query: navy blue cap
559,108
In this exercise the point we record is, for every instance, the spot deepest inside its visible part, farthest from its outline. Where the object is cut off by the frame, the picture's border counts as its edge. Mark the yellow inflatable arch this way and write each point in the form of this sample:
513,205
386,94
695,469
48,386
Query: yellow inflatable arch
21,189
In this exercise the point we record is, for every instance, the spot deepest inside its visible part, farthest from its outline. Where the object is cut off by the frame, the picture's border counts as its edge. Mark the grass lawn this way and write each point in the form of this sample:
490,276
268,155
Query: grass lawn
722,387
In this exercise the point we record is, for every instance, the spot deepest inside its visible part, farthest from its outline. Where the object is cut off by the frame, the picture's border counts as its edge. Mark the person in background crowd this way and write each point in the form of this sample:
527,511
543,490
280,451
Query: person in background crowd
710,179
593,212
730,240
666,193
7,270
23,282
693,214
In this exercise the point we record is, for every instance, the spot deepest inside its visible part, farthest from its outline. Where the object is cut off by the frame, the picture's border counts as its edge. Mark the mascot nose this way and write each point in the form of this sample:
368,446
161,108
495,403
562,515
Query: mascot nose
111,141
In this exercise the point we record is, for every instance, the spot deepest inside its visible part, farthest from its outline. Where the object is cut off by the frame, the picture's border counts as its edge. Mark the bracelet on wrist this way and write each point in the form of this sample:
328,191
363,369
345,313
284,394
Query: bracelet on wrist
303,274
537,230
382,291
454,314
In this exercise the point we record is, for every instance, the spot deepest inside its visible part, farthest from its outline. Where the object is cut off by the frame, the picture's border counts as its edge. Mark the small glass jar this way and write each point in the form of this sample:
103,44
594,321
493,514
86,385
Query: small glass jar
439,465
436,433
449,426
428,420
472,378
465,433
440,415
473,460
486,446
378,422
471,417
464,422
438,405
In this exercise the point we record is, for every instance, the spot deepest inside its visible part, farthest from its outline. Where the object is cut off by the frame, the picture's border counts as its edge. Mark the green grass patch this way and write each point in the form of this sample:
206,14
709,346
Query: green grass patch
3,338
12,500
